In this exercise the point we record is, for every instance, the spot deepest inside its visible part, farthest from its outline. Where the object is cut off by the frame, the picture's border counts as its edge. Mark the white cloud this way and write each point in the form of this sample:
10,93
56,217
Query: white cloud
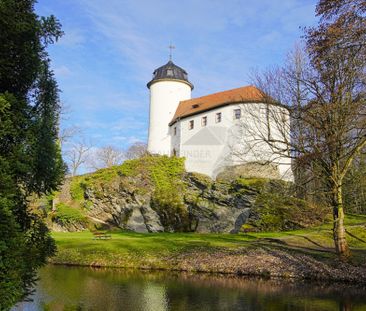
128,139
62,71
73,37
217,43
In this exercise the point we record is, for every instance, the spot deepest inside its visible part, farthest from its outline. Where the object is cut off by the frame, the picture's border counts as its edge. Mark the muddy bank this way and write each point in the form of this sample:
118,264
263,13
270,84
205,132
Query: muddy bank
264,262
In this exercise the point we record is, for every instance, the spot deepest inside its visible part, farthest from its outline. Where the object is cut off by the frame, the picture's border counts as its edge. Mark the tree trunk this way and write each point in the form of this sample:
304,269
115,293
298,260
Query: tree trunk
339,232
345,305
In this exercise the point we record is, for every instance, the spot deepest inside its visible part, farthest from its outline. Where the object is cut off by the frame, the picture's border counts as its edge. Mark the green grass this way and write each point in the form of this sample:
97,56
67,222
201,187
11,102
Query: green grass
158,250
137,249
321,238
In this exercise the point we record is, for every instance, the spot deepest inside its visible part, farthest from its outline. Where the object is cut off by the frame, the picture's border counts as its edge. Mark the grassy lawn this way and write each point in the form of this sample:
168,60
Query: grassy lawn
138,249
128,249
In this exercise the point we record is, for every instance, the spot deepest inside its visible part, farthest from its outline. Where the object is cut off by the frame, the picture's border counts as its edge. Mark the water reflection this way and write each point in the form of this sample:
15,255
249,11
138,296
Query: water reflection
70,288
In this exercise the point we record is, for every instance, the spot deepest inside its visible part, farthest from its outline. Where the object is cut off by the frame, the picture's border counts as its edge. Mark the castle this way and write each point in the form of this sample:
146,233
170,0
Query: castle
212,132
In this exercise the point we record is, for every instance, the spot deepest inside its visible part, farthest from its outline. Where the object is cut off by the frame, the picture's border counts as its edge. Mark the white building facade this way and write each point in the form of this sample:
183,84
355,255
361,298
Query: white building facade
217,131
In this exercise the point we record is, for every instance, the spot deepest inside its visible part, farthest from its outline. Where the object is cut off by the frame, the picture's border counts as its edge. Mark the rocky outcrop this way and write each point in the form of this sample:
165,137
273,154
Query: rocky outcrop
57,226
215,206
207,206
153,196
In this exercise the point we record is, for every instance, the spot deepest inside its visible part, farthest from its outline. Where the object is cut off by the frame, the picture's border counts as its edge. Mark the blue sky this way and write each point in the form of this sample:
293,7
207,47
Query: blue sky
111,48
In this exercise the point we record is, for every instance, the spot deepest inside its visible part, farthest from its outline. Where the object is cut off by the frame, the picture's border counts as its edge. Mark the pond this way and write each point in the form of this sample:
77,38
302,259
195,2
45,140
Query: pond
76,288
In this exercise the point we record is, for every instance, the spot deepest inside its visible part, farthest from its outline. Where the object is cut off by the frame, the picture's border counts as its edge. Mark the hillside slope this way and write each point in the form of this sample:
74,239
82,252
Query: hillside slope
155,194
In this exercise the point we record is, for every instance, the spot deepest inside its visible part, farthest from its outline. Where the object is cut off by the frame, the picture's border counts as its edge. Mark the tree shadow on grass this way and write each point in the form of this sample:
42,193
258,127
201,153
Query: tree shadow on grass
355,237
321,247
320,253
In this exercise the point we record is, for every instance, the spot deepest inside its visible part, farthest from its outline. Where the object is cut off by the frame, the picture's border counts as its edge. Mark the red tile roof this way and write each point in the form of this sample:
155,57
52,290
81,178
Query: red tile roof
246,94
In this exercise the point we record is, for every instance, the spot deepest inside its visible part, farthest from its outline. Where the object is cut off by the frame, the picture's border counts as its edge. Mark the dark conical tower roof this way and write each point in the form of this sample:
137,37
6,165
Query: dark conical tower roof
170,71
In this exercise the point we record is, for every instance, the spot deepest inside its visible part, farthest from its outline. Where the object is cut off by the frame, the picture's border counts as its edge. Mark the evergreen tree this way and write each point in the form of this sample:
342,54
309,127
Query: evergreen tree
30,158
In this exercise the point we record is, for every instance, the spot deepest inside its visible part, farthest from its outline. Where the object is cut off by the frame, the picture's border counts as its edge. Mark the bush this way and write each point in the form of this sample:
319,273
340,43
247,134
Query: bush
66,215
276,212
276,208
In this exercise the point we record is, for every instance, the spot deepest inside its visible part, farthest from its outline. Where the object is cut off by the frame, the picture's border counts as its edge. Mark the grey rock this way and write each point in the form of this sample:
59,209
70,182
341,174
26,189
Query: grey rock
241,220
136,221
151,219
211,207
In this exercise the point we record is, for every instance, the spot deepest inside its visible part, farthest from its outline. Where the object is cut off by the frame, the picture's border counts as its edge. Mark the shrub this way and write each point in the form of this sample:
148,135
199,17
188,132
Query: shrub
276,212
67,215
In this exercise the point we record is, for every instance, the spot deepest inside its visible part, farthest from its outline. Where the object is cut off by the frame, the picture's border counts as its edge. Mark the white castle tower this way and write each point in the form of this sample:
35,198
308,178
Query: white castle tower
168,87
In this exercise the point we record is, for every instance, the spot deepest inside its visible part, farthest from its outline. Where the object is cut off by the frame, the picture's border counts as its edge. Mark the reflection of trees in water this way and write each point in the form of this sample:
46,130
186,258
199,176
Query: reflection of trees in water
106,289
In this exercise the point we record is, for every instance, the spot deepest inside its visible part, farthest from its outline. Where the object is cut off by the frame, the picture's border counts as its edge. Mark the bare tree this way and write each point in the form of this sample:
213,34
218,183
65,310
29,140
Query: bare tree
136,150
66,134
325,96
77,155
107,156
324,90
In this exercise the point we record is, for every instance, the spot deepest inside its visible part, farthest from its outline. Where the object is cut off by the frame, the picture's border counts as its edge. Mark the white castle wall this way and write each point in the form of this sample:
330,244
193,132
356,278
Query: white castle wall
165,96
209,149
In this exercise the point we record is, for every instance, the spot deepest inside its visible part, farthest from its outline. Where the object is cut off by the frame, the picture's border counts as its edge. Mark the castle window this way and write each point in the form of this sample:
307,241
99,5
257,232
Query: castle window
218,117
175,130
237,114
174,152
204,121
191,125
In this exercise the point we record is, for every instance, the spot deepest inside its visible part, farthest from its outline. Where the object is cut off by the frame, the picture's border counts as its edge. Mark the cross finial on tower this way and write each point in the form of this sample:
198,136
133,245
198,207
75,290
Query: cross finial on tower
171,47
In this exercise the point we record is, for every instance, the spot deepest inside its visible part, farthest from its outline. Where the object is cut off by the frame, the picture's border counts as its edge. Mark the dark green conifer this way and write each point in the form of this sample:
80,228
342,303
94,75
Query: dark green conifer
30,157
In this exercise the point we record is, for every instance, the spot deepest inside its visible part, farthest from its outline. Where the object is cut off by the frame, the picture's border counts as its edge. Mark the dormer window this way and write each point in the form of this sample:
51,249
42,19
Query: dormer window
191,125
169,72
195,106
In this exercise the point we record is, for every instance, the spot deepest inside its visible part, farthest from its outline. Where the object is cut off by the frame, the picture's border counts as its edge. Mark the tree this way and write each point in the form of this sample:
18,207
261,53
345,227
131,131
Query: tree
30,156
66,134
136,150
325,95
107,156
77,155
337,49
